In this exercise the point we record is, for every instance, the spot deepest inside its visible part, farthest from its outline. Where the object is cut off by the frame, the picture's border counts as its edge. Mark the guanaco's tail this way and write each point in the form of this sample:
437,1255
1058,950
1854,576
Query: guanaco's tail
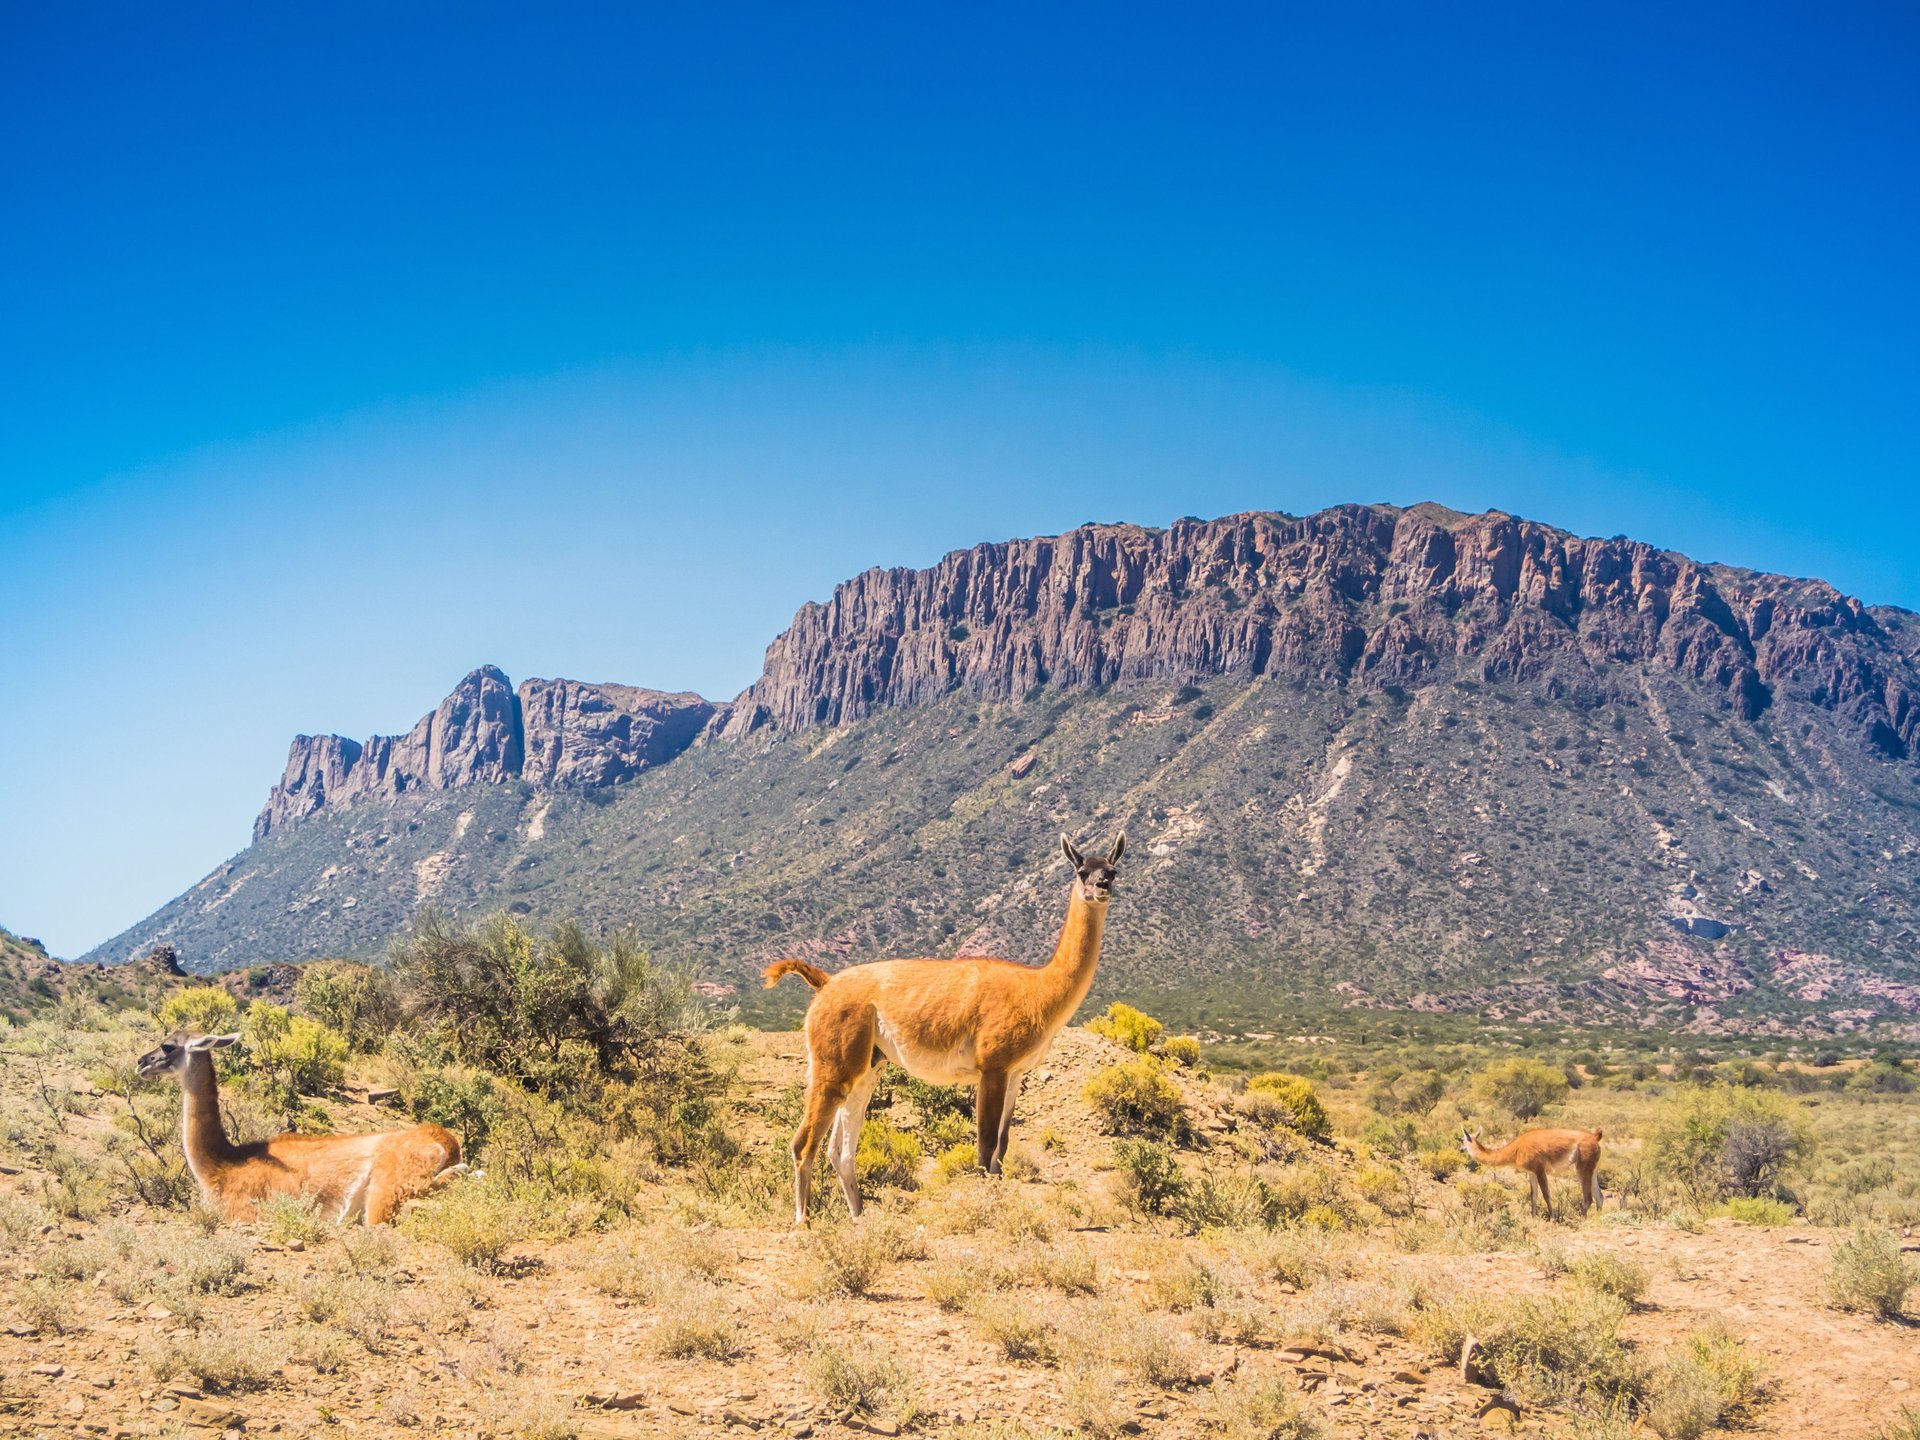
812,974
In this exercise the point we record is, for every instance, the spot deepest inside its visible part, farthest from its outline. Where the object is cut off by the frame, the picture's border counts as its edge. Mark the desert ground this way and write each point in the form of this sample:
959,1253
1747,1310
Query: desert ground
1272,1282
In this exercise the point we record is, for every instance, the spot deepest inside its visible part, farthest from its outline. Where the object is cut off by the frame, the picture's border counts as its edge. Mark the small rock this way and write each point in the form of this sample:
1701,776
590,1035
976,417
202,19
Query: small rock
52,1371
1409,1377
382,1096
616,1400
21,1331
296,1245
76,1407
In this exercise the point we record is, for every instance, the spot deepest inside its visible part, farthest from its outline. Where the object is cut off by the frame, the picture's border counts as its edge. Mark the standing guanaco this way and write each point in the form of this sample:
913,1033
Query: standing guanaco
353,1177
948,1022
1540,1153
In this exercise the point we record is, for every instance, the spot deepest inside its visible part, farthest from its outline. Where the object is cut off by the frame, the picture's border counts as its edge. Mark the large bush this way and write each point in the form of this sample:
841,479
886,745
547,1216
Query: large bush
1523,1087
297,1056
1869,1273
201,1009
550,1011
1715,1142
1293,1102
353,999
1133,1028
1136,1098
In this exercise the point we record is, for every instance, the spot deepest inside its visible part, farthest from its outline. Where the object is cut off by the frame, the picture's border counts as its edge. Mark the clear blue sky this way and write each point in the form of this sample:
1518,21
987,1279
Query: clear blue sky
344,348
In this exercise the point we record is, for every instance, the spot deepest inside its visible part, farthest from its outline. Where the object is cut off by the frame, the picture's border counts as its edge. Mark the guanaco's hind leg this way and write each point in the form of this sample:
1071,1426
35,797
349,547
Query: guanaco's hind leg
843,1145
989,1104
839,1054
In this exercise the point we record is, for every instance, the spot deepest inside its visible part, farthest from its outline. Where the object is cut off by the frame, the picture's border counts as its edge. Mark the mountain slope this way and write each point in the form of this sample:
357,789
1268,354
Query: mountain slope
1373,757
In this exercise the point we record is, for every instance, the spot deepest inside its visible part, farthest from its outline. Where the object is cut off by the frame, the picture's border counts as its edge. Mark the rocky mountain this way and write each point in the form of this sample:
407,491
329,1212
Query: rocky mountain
554,734
1369,758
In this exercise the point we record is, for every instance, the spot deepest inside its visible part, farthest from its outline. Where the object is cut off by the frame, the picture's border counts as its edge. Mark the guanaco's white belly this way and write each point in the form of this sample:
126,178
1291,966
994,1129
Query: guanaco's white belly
955,1066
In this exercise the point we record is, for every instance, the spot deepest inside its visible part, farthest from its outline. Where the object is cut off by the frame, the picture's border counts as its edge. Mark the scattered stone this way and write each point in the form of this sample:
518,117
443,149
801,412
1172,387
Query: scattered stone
21,1331
382,1096
1409,1377
616,1400
76,1407
206,1415
51,1371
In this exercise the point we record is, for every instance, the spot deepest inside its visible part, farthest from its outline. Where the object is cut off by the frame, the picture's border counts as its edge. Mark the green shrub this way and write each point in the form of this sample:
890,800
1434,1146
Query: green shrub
1869,1274
554,1012
298,1056
1130,1027
1396,1137
1150,1177
1015,1324
1227,1200
477,1223
1260,1406
1522,1087
354,1000
201,1009
1300,1104
1136,1098
863,1378
888,1155
290,1218
1702,1381
1385,1186
1718,1141
1611,1274
960,1159
1753,1211
1181,1050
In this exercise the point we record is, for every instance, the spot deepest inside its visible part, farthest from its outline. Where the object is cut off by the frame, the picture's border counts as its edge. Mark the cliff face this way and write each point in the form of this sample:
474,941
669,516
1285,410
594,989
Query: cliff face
553,734
1357,595
1367,593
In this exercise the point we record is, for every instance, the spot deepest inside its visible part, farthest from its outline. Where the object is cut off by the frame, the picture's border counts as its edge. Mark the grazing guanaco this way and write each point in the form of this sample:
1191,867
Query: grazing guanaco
1540,1153
948,1022
353,1177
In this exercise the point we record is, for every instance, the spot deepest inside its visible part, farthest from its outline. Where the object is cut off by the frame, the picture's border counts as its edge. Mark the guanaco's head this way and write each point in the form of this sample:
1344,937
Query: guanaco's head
176,1052
1093,876
1468,1139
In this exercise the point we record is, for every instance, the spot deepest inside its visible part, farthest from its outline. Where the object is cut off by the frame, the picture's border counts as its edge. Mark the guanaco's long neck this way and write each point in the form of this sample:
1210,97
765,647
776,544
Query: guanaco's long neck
201,1133
1500,1156
1069,974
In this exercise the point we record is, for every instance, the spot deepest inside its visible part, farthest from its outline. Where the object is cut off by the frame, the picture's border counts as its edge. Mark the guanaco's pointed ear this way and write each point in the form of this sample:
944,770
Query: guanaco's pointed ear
1073,856
1119,849
213,1042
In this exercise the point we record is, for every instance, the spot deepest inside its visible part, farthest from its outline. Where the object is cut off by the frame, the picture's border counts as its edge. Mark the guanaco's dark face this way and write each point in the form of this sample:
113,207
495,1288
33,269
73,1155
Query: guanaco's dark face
1093,876
176,1052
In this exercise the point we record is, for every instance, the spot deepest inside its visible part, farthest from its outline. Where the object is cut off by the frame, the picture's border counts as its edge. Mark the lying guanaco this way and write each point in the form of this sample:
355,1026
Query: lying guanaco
1540,1153
948,1022
352,1177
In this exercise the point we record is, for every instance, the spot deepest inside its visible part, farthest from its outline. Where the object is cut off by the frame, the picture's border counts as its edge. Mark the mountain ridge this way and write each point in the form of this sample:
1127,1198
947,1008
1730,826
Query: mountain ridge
1373,757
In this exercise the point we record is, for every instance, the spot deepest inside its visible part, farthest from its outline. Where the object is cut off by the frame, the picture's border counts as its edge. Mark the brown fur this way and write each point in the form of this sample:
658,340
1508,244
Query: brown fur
812,974
1539,1153
967,1021
364,1177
